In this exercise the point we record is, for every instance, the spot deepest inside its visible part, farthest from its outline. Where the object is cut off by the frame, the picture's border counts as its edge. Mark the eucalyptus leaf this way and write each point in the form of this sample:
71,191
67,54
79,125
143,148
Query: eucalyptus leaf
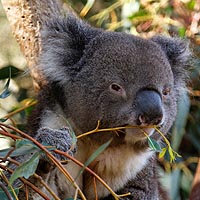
24,150
3,196
9,71
3,120
72,133
6,91
5,94
24,142
172,155
181,120
26,169
162,153
175,184
154,145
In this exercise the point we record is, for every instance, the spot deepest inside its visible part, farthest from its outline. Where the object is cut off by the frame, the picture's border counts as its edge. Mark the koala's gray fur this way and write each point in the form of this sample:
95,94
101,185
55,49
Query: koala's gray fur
120,80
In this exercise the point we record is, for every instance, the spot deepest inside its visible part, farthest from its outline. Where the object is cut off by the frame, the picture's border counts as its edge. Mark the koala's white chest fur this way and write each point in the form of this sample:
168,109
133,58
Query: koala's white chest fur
116,166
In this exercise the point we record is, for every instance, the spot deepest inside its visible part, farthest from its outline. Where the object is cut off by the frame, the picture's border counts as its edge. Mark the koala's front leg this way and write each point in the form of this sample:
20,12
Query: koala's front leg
52,130
61,139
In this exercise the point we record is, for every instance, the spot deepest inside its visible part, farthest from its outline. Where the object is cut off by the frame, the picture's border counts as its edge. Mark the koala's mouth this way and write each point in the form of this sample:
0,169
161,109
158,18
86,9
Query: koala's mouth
137,134
140,131
133,133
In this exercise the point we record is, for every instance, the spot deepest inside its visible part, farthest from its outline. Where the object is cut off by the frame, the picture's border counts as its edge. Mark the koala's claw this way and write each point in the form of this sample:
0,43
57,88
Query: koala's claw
59,138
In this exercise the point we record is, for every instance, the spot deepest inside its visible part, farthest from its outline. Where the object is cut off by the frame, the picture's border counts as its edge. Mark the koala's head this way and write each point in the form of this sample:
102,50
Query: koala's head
116,78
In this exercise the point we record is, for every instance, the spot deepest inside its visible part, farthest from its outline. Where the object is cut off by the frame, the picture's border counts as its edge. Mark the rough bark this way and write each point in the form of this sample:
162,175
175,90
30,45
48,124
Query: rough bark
26,18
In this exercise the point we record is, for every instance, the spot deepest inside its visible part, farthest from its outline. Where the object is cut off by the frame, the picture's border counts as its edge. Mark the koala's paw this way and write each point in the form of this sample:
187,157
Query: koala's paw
61,139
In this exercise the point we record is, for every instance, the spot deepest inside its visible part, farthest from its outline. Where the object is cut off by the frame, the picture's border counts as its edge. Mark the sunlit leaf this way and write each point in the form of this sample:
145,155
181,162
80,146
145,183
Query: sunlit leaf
162,153
87,7
191,4
172,156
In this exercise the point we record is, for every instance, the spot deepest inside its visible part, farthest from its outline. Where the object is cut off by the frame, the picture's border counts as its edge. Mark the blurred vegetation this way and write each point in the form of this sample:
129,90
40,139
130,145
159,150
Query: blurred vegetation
144,18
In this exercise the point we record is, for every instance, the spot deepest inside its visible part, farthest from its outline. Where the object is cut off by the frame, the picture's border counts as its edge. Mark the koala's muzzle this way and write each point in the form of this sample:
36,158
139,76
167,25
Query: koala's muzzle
149,107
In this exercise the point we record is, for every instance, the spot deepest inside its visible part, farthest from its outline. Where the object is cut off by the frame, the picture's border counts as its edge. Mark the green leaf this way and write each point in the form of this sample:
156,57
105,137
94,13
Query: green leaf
6,91
24,147
26,169
178,130
24,142
72,133
154,145
172,156
9,71
191,4
19,151
162,153
4,152
182,31
3,120
175,184
94,155
3,196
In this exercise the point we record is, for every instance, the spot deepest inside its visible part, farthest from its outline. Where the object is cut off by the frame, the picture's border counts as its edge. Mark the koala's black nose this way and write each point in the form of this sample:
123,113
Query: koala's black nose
149,107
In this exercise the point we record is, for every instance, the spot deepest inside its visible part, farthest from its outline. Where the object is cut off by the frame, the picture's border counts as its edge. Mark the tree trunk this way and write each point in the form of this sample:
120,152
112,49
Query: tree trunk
26,18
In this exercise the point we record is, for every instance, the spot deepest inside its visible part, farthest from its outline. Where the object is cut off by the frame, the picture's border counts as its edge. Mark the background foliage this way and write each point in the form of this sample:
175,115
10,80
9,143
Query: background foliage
144,18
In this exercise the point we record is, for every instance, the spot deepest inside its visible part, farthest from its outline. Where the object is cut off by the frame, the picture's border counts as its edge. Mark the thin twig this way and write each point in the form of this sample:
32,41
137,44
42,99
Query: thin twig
97,130
14,137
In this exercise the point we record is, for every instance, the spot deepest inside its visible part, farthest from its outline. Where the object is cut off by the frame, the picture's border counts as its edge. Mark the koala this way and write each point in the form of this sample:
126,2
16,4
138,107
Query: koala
119,80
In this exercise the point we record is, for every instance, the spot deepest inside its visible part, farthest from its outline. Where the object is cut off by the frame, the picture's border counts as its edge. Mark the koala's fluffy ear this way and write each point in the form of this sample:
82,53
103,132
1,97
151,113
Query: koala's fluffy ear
63,42
178,54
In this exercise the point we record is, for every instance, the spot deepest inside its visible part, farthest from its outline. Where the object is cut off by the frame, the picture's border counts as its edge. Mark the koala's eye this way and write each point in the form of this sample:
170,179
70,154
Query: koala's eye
117,89
166,91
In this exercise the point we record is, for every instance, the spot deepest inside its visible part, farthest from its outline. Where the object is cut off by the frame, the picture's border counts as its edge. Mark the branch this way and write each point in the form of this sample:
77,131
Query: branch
194,195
